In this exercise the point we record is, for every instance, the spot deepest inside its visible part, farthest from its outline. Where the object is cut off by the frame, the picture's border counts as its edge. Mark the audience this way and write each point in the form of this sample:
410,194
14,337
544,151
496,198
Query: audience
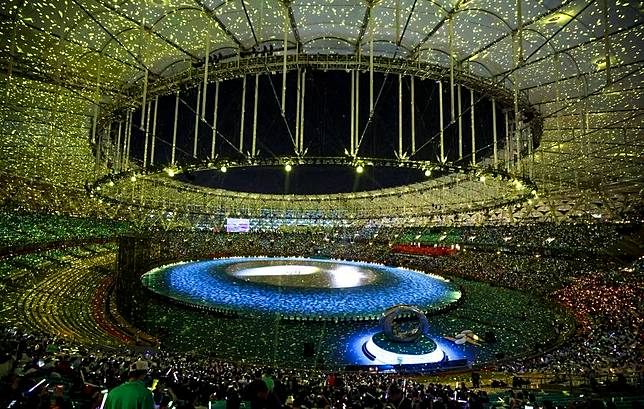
49,372
557,262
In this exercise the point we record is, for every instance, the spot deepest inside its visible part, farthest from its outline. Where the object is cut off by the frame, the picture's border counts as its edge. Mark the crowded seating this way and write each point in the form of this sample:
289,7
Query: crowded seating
18,230
602,293
41,370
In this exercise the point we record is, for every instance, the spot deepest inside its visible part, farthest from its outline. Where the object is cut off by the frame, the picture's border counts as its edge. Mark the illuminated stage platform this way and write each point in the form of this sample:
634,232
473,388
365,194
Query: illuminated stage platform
256,331
299,289
295,312
384,359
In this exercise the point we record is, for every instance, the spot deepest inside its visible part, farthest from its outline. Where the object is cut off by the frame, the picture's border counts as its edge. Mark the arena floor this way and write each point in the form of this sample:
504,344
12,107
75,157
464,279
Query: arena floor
300,288
265,332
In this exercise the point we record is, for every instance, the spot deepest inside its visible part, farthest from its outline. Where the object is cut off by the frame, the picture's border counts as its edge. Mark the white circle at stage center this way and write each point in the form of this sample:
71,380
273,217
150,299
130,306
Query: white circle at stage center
310,275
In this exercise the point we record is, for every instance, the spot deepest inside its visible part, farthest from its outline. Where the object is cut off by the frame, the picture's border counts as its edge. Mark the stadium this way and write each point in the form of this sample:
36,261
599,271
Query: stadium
364,204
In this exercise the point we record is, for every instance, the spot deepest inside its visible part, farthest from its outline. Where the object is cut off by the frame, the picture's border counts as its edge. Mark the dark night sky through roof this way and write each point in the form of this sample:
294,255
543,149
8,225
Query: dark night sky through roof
304,179
326,119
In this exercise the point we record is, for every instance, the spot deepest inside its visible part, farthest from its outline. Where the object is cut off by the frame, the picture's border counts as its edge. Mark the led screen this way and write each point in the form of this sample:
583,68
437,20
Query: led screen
237,225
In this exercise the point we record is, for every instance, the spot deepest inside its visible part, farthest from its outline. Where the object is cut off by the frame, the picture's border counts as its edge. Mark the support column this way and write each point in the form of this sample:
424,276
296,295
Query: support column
154,130
460,125
508,150
517,114
450,28
519,31
441,121
413,117
583,119
530,153
371,71
144,98
517,142
124,149
129,140
147,135
298,100
472,125
302,111
12,53
356,133
254,143
243,114
397,22
284,61
494,134
196,136
400,131
94,121
606,23
96,99
108,145
353,107
518,58
143,47
116,161
587,129
558,106
205,79
214,122
101,141
174,130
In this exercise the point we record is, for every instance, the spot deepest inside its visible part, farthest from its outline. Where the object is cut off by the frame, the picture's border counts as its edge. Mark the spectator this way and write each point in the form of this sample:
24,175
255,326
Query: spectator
132,394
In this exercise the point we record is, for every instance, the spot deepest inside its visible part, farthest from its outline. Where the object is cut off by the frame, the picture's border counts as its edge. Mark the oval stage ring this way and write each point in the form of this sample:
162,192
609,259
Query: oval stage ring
299,288
417,325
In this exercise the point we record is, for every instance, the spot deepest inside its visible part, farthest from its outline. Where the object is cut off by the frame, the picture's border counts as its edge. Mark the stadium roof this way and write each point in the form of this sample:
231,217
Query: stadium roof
579,63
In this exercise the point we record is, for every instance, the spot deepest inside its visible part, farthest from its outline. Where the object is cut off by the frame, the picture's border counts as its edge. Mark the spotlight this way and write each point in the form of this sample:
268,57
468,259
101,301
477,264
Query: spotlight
288,167
133,178
482,178
359,169
223,169
428,172
110,183
601,62
557,18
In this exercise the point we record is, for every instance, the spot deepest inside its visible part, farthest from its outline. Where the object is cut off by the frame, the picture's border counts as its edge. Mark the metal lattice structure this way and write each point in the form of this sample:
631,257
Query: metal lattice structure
576,65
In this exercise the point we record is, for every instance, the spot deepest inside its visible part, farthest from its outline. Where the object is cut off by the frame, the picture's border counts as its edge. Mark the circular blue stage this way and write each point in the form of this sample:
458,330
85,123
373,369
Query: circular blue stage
299,288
